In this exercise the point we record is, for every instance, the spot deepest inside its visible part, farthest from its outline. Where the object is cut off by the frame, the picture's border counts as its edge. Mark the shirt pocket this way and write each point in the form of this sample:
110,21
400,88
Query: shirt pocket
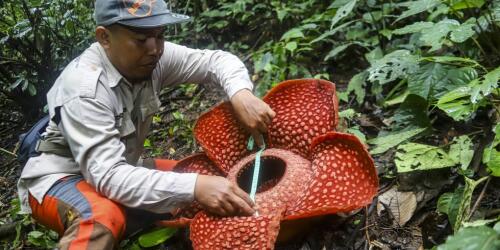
149,107
124,124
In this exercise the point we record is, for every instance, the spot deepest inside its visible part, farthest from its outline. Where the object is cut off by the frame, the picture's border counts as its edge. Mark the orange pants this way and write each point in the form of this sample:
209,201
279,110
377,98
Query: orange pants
84,219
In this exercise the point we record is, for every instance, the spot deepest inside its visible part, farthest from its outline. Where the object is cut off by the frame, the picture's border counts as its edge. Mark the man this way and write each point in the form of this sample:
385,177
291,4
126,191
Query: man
89,183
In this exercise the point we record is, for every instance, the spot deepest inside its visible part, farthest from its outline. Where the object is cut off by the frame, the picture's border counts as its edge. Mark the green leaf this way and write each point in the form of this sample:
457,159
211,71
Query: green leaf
293,33
384,143
157,236
483,237
449,204
423,82
480,89
355,131
436,35
335,51
491,154
392,66
454,60
466,4
343,12
411,114
356,85
416,7
478,223
413,28
347,114
455,105
332,32
16,83
374,55
414,156
291,46
147,143
461,151
32,89
464,209
463,32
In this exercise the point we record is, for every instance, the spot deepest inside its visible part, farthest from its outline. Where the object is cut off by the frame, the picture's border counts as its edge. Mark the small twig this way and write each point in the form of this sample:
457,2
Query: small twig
7,152
481,196
367,235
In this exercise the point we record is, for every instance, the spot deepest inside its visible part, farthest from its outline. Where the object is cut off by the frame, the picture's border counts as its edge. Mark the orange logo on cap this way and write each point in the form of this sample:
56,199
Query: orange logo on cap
137,10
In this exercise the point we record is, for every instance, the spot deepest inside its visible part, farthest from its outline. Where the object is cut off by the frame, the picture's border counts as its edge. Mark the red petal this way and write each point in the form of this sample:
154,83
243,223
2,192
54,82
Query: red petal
278,191
253,232
221,136
304,108
197,163
345,177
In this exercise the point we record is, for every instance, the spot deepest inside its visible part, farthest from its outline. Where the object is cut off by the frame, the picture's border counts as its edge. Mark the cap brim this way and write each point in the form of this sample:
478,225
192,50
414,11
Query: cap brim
155,21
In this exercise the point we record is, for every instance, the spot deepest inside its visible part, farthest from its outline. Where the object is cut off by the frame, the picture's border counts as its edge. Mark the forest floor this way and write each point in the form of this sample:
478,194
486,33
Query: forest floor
404,218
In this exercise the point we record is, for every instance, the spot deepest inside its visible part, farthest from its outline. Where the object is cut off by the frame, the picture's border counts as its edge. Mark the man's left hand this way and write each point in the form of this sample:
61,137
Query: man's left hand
254,113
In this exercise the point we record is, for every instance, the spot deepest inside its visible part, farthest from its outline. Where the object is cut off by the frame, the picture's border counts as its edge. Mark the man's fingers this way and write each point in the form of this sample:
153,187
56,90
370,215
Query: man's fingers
243,195
243,206
228,207
257,137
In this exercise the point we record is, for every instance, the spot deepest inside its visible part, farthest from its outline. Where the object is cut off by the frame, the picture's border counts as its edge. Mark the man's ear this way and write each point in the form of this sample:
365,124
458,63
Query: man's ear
103,36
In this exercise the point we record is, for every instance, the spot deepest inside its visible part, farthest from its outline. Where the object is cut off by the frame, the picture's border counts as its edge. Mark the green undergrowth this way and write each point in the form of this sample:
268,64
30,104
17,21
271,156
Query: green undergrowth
417,82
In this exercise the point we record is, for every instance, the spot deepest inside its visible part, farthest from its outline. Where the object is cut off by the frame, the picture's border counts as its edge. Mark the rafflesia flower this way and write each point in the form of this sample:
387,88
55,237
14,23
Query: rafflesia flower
308,170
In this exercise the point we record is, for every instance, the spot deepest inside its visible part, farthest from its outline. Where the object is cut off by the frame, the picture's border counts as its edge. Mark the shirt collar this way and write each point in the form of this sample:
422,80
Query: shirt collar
114,76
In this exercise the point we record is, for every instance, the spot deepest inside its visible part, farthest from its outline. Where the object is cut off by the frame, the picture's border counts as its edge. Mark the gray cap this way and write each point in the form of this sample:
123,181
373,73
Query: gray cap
135,13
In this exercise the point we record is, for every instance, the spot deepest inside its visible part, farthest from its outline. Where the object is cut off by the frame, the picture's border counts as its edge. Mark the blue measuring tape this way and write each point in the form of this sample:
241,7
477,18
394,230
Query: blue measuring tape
256,169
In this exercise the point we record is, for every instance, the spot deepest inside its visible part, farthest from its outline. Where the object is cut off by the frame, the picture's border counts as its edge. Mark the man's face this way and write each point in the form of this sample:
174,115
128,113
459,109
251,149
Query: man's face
135,52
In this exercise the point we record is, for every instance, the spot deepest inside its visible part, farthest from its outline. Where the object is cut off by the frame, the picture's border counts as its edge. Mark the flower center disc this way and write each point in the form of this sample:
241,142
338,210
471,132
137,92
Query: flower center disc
283,177
272,170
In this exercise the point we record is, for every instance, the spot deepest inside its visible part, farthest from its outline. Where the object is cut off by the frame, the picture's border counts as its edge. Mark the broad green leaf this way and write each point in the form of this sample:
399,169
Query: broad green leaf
343,12
157,236
263,62
466,4
293,33
338,3
384,143
491,155
414,156
449,204
464,209
461,151
392,66
374,55
455,105
481,89
411,114
356,85
413,28
355,131
464,31
291,46
424,81
436,35
473,238
416,7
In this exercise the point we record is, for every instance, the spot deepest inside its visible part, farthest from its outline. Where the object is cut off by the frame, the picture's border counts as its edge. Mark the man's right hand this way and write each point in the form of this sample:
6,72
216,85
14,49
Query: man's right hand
219,196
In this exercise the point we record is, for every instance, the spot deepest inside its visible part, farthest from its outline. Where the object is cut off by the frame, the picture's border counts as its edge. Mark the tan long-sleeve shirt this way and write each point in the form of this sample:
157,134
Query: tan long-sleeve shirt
104,120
